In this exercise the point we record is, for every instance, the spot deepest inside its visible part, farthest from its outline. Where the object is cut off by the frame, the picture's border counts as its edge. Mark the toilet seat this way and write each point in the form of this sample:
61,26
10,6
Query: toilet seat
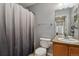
40,51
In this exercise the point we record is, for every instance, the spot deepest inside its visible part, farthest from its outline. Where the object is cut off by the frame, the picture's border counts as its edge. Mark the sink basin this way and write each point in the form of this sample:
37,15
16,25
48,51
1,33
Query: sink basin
70,40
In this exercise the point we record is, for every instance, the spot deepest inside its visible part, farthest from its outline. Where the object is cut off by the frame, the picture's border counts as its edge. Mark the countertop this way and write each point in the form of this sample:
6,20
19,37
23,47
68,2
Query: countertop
59,41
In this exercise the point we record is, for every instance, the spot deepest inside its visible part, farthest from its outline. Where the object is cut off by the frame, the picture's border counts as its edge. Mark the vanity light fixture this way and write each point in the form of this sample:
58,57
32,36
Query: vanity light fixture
65,5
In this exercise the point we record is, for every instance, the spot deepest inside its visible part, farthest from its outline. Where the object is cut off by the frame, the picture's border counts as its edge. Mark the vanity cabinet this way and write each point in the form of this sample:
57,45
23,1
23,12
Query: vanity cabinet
61,49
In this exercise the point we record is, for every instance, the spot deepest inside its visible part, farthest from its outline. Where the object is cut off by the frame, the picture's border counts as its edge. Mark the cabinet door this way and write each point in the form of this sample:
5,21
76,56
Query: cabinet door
60,49
74,51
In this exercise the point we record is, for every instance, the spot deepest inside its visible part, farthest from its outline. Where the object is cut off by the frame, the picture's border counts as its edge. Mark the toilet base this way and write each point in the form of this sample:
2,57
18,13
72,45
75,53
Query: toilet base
40,51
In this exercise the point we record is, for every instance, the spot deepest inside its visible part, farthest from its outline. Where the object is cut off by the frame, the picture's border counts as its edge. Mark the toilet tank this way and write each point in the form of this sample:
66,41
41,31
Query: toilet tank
45,42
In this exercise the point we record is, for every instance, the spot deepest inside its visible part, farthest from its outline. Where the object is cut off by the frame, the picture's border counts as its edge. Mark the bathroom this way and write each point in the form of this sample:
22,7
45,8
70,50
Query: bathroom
39,29
56,21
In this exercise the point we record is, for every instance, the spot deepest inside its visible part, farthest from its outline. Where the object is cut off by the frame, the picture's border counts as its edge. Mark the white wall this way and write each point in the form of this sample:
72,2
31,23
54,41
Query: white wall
44,20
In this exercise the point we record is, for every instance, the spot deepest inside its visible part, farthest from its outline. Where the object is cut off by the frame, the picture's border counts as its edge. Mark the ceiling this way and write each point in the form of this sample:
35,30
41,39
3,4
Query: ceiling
25,5
59,5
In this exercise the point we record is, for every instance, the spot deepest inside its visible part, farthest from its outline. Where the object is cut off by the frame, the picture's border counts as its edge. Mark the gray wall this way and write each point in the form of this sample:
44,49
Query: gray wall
44,21
74,12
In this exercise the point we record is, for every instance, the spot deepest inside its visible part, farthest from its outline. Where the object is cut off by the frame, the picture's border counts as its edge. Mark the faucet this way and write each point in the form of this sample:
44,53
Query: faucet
65,36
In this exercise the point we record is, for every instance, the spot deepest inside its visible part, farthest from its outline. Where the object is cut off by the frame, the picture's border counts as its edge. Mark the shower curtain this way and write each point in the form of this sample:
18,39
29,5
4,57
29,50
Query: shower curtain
31,32
16,30
9,27
3,40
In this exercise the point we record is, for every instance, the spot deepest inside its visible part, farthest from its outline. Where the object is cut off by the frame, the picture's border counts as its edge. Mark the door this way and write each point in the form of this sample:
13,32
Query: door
44,24
74,51
46,27
60,49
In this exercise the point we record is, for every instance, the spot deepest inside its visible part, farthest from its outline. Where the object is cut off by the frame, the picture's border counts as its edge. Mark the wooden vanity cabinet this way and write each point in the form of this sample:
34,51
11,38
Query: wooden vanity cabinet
61,49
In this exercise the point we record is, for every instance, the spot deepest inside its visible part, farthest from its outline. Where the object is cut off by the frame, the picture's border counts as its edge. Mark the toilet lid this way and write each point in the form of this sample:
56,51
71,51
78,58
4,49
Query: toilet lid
40,51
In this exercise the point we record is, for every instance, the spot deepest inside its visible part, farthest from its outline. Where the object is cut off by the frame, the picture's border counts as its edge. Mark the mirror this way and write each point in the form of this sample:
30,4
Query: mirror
60,24
67,20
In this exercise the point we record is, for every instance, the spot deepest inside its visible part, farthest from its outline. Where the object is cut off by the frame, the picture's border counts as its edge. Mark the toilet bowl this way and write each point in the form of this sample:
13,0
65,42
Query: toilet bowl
44,44
40,51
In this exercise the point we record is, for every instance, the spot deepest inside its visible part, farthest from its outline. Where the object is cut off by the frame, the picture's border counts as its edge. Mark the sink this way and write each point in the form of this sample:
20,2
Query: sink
69,40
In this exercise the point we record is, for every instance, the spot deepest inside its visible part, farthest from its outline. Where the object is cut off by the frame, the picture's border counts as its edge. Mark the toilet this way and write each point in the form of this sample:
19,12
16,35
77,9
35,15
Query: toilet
44,44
